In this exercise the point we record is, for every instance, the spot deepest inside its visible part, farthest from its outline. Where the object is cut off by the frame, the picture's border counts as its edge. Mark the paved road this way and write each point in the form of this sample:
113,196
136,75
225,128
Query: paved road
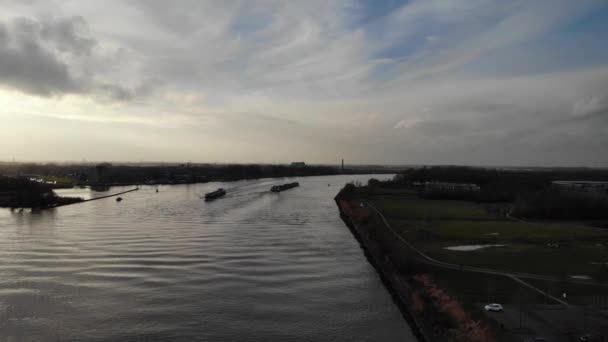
523,324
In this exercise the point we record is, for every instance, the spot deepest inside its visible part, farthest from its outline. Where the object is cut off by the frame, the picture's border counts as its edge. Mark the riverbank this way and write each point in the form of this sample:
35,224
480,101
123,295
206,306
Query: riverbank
432,313
392,279
23,193
458,256
232,179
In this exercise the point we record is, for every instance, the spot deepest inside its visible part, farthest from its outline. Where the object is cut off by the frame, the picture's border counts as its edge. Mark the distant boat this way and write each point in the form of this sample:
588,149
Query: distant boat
279,188
215,194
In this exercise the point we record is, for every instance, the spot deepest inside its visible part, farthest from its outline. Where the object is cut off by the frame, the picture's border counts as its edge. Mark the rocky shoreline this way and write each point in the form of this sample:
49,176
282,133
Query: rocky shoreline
397,286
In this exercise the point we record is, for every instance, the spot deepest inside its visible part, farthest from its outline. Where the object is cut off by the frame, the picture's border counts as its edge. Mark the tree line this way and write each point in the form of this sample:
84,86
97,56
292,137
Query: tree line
530,191
141,174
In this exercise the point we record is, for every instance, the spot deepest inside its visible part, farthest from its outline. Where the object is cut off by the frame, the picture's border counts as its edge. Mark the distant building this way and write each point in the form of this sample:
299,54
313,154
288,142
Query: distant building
101,172
591,188
298,164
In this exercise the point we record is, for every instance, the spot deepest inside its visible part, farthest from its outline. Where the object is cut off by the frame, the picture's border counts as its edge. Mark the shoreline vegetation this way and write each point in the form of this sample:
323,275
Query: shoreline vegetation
432,314
25,193
30,185
68,175
448,240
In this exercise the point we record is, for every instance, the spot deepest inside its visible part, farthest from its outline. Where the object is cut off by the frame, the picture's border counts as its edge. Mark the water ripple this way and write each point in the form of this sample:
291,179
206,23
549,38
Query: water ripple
167,266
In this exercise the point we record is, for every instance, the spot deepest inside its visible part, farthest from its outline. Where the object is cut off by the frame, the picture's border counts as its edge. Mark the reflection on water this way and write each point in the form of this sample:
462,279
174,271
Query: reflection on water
167,266
29,218
87,192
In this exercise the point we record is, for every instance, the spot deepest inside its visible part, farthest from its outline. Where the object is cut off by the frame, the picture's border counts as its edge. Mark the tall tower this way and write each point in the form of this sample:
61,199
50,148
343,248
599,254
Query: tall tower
342,164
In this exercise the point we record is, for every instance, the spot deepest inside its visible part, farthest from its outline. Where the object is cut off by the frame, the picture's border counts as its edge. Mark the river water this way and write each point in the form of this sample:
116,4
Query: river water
167,266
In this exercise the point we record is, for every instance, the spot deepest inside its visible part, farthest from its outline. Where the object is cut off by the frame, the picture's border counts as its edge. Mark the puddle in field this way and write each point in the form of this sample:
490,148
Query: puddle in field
491,234
583,277
469,248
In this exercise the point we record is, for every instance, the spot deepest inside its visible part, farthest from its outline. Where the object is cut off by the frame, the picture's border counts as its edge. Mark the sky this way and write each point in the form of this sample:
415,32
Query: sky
468,82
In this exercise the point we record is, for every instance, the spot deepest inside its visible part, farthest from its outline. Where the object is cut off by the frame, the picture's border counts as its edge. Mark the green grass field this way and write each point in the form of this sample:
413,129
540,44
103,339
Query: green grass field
412,208
513,231
552,248
484,288
573,259
564,250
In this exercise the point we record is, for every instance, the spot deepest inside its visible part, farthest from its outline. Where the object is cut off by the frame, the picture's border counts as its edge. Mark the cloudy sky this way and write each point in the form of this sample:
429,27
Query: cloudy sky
482,82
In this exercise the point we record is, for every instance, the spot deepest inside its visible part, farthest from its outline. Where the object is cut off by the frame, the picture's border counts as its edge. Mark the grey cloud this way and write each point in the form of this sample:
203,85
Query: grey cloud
30,57
553,120
53,58
27,65
65,35
69,35
116,93
3,34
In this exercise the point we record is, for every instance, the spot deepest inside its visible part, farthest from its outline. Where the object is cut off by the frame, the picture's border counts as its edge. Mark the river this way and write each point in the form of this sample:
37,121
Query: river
167,266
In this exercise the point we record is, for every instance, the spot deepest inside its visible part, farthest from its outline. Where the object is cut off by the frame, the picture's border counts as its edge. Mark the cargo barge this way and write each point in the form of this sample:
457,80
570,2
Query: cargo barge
215,194
279,188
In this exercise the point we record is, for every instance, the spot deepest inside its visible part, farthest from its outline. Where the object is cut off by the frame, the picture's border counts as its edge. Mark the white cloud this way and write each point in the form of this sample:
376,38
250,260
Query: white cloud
406,123
590,105
308,68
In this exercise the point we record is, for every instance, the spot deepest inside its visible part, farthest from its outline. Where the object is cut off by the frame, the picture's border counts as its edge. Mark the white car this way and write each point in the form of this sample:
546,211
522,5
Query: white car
493,307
